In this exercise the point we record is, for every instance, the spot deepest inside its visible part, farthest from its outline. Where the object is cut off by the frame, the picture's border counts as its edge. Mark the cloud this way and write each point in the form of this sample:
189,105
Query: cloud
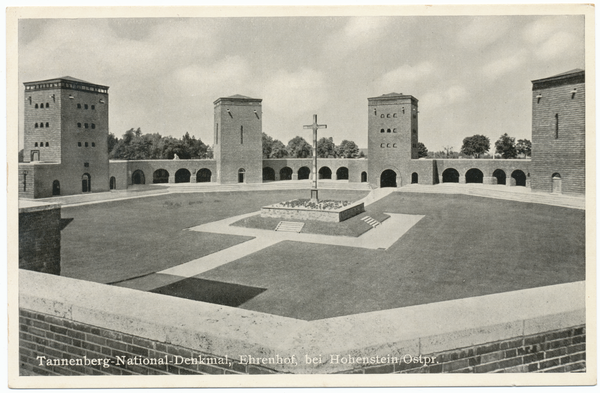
295,92
559,44
541,29
83,48
504,65
228,76
436,99
482,32
405,76
356,33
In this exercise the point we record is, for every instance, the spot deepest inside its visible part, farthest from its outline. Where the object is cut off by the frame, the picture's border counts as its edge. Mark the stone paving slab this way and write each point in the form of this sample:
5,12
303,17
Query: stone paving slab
382,237
518,194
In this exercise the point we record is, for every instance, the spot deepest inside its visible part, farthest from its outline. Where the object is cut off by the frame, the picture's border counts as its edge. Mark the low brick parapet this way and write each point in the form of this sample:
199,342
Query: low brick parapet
538,329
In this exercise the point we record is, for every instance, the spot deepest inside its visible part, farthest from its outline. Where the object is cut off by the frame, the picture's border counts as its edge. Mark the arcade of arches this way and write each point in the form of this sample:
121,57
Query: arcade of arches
482,174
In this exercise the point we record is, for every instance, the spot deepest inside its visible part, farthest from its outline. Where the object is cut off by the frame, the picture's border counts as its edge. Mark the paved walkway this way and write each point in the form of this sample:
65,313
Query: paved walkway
520,194
177,188
381,237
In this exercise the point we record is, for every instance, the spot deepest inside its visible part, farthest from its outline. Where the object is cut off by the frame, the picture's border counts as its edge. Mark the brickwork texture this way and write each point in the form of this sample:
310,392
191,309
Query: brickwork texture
39,239
44,337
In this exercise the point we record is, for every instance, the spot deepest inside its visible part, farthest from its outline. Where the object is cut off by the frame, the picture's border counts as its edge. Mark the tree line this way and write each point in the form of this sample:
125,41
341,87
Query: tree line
298,147
478,146
134,145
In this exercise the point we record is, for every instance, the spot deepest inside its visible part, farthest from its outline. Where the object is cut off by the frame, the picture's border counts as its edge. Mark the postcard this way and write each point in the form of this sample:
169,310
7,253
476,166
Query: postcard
301,196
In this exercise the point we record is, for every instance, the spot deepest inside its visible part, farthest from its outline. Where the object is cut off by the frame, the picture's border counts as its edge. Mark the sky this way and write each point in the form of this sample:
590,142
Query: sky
471,74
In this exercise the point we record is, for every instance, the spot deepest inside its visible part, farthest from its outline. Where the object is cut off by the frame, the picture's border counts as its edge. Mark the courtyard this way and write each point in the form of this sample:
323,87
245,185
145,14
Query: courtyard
463,246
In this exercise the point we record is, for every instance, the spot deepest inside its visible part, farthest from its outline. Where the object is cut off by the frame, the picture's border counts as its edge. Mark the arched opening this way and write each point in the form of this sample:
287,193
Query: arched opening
55,188
203,176
113,183
303,173
556,183
268,174
241,175
182,176
160,176
285,173
86,183
474,175
414,178
324,173
388,179
500,176
341,173
363,177
450,175
138,177
520,178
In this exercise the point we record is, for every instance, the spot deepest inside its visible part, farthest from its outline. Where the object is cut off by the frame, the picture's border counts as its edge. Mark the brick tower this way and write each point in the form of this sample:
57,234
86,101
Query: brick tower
65,137
558,133
238,139
393,138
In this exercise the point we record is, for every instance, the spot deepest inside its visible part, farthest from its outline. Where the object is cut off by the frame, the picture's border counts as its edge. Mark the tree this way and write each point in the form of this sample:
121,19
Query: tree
422,150
299,148
524,147
267,145
278,149
348,149
505,146
326,148
136,146
111,141
448,150
475,145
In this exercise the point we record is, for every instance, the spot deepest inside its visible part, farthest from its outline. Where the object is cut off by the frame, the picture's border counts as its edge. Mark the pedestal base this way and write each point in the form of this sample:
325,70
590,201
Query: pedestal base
314,195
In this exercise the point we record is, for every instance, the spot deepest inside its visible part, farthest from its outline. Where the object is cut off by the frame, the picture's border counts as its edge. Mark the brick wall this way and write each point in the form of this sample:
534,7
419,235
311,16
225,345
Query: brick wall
394,149
355,166
35,135
231,152
39,238
26,180
556,351
59,338
564,154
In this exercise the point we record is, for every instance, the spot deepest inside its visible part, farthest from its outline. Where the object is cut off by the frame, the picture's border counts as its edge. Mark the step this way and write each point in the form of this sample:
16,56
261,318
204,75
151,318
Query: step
289,226
371,221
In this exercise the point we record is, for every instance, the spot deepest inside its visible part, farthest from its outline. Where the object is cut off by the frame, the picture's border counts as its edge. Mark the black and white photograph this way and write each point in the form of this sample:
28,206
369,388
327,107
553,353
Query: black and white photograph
301,196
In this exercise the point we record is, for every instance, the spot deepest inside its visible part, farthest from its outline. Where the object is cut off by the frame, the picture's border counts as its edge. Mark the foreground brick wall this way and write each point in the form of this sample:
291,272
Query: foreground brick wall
557,351
60,338
39,238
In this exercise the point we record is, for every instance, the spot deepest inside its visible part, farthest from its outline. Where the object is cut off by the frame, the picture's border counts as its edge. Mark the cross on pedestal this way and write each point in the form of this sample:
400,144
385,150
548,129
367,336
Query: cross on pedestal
314,193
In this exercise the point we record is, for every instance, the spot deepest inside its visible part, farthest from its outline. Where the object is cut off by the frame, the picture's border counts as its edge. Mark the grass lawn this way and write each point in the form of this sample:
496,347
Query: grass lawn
353,226
118,240
464,246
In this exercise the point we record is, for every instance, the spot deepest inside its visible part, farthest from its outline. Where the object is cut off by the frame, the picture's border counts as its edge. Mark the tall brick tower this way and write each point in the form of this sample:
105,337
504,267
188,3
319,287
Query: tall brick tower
65,136
238,139
393,138
558,133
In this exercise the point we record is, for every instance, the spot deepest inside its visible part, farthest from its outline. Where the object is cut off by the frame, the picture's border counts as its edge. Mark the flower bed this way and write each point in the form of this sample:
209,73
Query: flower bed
304,209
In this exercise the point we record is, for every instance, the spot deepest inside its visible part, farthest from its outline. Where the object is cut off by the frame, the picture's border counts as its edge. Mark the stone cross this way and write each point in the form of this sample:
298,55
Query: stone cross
314,193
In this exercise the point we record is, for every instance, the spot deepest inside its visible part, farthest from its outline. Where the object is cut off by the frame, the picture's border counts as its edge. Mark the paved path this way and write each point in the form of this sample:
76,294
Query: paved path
381,237
520,194
177,188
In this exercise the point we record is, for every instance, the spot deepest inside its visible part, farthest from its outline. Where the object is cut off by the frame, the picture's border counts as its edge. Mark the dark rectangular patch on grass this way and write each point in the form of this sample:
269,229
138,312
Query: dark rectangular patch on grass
216,292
